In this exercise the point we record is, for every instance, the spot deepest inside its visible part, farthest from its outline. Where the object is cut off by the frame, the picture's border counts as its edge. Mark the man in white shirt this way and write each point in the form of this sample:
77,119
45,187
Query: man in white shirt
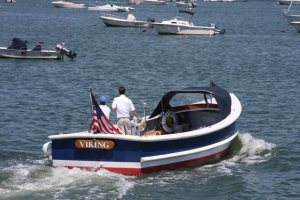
104,108
123,106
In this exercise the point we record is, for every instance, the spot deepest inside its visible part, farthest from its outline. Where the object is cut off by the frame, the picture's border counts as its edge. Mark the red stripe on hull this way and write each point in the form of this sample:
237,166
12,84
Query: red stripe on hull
138,171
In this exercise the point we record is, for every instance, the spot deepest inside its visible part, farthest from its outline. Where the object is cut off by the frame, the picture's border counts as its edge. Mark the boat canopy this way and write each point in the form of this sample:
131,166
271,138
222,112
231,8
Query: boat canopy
187,12
221,95
18,44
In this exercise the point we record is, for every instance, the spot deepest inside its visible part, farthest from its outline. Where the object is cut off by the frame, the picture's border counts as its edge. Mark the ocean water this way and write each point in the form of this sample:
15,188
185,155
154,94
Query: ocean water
254,59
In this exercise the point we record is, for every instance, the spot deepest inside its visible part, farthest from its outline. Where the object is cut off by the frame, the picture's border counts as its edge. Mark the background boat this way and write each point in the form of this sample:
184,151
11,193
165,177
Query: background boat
110,20
180,26
147,2
67,4
19,49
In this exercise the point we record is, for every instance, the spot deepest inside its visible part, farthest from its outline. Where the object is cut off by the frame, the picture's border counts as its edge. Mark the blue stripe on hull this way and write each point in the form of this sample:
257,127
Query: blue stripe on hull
132,151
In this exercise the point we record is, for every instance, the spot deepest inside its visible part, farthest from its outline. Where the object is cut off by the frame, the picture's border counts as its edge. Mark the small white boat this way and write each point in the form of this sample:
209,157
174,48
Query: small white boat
225,1
110,20
147,2
10,1
67,4
212,0
19,49
181,26
185,4
288,2
110,8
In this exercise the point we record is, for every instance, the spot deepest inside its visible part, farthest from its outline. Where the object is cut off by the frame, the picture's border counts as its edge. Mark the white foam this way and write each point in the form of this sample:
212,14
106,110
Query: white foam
61,182
253,150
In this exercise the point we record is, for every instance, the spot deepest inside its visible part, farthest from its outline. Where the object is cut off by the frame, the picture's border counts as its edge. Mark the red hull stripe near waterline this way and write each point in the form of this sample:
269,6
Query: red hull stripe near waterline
139,171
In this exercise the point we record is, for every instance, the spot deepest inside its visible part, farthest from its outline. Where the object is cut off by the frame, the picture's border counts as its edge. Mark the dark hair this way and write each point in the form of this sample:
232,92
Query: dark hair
122,90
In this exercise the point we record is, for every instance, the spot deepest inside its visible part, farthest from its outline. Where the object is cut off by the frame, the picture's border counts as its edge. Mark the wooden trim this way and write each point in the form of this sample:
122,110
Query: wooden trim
194,106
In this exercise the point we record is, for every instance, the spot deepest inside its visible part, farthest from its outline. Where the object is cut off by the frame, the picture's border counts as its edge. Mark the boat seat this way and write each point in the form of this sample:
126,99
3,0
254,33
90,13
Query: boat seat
18,44
37,48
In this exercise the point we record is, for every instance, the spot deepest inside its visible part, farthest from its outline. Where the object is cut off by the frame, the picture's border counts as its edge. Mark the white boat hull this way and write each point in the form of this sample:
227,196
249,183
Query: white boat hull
296,25
62,4
185,5
147,2
111,21
183,30
284,2
110,8
292,18
29,54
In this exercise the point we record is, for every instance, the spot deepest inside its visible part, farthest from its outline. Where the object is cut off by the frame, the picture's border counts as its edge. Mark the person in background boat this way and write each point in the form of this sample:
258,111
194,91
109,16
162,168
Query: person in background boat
104,107
123,106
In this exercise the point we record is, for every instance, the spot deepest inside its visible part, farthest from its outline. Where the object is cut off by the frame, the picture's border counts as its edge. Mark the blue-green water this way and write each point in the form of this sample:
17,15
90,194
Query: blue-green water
254,60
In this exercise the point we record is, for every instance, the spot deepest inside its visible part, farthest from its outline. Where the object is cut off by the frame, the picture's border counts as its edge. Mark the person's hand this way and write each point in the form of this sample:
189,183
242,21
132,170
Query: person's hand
139,118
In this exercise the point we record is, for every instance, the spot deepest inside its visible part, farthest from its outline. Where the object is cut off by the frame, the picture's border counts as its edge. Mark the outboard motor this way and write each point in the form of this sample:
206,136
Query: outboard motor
63,50
221,31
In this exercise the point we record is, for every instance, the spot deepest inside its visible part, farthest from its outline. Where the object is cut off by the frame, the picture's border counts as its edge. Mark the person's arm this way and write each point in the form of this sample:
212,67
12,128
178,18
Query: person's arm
113,108
134,113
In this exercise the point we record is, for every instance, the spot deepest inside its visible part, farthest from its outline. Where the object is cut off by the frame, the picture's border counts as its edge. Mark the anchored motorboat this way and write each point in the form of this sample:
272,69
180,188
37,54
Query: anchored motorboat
110,20
19,49
67,4
110,8
179,25
189,127
186,4
148,2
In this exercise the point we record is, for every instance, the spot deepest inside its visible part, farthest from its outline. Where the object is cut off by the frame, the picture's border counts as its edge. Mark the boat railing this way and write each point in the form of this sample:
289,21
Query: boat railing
292,12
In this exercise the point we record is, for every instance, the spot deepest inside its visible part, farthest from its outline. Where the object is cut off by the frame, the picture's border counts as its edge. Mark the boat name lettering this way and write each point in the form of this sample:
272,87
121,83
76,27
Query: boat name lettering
94,144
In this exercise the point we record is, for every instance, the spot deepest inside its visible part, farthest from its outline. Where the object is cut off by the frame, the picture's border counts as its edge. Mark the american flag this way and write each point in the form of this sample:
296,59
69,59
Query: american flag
212,84
100,122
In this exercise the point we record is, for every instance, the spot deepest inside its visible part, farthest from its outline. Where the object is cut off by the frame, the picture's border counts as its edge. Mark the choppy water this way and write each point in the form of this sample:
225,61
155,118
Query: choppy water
254,60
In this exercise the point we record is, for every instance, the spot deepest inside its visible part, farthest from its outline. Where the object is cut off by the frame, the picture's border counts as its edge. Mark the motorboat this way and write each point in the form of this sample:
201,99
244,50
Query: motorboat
19,49
288,2
67,4
296,25
10,1
225,1
181,26
186,4
189,127
110,8
110,20
147,2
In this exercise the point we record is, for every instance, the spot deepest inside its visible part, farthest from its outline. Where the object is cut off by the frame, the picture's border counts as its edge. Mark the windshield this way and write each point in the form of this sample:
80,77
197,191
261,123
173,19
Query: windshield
182,99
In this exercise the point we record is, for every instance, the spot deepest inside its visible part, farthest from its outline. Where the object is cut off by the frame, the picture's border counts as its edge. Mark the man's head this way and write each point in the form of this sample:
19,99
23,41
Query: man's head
122,90
103,100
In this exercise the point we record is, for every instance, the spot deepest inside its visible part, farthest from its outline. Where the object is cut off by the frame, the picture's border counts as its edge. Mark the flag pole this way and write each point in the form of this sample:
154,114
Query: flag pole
210,94
92,102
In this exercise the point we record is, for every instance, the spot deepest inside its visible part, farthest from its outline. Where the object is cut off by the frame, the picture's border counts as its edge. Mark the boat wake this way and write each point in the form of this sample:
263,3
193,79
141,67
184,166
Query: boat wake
245,150
39,179
253,151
